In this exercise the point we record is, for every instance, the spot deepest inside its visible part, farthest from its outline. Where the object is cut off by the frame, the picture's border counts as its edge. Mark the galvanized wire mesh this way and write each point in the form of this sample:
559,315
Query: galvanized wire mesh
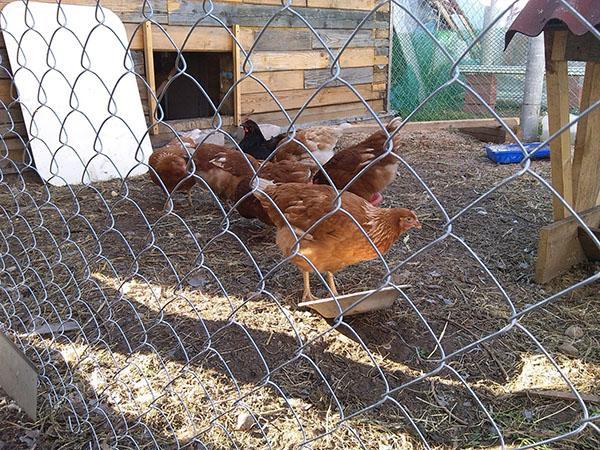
179,328
497,75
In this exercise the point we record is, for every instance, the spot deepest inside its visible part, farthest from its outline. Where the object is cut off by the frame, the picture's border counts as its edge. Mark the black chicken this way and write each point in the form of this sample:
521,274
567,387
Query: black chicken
254,142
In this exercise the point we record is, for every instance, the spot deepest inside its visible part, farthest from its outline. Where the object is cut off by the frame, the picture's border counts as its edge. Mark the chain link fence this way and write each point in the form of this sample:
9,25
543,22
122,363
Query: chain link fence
498,75
178,326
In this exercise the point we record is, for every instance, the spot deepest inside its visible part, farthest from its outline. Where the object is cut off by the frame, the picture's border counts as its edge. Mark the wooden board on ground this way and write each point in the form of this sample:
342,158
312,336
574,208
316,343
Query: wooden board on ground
493,134
371,126
371,301
590,249
559,247
18,376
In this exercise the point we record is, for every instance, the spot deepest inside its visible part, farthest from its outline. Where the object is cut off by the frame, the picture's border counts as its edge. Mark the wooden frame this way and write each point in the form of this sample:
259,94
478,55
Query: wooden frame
237,91
154,39
149,65
575,177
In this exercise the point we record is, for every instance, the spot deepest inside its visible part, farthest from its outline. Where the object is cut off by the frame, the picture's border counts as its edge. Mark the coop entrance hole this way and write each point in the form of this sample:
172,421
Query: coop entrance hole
183,99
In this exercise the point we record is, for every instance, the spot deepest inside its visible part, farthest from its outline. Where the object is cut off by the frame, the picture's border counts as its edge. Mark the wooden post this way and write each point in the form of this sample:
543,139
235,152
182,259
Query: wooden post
237,92
149,64
586,160
557,85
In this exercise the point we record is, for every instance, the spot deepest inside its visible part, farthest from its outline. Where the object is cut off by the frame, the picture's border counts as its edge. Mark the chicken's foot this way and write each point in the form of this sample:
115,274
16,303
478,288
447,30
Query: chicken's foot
331,283
307,295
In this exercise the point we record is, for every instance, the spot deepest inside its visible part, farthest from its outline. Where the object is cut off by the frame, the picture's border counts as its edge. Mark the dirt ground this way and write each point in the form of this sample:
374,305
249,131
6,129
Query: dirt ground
189,334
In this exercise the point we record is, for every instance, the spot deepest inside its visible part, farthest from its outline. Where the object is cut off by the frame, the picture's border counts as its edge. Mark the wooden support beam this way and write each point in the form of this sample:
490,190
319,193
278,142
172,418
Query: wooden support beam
583,48
586,160
149,61
559,248
237,91
557,85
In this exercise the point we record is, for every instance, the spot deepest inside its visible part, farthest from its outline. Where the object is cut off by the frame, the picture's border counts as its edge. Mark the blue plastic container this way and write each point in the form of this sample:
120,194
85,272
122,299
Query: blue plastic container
511,153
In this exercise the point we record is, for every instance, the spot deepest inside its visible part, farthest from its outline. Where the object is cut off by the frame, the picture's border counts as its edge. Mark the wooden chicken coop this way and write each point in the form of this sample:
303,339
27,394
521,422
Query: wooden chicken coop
289,59
575,172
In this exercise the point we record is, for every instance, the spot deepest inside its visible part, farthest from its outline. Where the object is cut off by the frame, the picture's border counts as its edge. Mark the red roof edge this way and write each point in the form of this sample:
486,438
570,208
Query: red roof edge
539,15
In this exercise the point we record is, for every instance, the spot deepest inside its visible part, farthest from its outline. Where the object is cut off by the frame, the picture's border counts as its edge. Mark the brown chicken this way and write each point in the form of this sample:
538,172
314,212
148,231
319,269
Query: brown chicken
168,168
223,168
336,242
348,162
228,173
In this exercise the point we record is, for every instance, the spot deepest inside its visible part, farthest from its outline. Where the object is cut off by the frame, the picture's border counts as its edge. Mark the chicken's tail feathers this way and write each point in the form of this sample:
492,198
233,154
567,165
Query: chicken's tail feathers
323,156
260,184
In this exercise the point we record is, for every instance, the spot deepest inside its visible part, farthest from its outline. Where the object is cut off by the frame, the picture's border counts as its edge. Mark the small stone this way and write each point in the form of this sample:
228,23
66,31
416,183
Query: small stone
13,407
197,281
447,301
30,437
574,332
126,287
299,404
114,193
528,414
385,447
244,422
568,349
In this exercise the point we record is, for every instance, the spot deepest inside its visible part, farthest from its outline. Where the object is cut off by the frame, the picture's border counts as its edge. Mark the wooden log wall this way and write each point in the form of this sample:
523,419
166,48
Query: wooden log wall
288,57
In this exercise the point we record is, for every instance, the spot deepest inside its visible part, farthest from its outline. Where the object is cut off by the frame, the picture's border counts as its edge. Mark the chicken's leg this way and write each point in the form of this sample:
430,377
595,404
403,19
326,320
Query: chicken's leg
307,295
168,204
331,283
189,196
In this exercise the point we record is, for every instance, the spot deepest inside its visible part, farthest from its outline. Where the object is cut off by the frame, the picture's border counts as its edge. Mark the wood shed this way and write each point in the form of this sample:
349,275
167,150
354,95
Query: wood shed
289,58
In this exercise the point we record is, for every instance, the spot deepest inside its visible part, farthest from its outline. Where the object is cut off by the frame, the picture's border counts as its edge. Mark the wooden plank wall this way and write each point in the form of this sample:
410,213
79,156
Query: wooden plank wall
289,58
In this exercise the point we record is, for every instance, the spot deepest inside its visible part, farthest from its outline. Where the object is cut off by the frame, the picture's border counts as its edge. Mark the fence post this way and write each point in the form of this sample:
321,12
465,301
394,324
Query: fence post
532,91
